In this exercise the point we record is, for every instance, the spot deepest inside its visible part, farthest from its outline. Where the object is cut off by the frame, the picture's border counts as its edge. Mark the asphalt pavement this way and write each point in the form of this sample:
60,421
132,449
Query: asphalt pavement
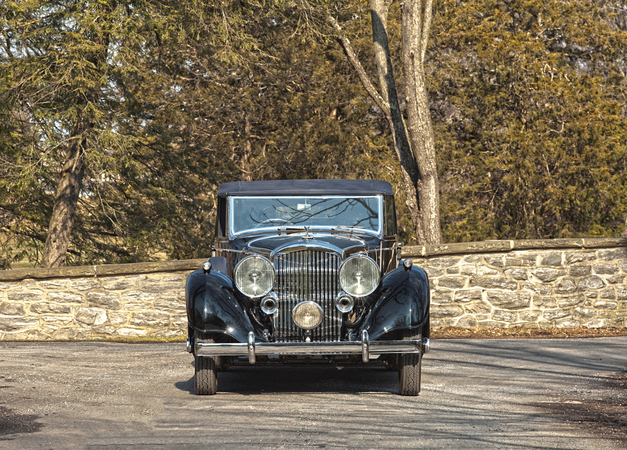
518,394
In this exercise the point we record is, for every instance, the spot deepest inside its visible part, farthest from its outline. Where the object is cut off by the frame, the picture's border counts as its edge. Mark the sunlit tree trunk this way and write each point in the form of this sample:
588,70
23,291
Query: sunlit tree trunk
413,141
416,23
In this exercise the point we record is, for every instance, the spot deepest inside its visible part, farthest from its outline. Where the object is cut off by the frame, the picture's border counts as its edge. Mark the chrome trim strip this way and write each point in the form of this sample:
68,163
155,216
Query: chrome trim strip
230,250
310,348
316,229
293,247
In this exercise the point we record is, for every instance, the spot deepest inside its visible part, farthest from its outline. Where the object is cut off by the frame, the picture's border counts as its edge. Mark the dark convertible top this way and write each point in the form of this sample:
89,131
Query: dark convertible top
306,187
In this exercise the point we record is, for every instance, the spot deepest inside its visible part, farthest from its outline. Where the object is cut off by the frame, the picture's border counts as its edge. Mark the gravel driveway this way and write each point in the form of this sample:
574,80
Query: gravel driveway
519,393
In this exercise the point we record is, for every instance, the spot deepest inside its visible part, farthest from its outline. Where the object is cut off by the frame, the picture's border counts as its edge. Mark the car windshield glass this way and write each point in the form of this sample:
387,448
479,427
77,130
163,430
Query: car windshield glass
253,213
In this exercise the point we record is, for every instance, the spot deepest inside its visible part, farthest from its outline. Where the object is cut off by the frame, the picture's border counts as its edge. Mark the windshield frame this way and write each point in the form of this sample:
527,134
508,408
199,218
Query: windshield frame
313,228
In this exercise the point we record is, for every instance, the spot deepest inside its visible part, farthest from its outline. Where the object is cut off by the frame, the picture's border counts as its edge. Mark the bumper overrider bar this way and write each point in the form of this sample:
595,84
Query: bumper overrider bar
366,347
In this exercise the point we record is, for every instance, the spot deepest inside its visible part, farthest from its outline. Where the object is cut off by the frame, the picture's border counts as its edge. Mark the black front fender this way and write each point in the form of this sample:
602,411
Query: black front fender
213,308
404,303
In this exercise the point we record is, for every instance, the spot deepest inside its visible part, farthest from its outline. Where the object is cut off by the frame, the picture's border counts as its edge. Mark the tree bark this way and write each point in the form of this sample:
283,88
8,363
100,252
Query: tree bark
416,22
63,212
414,143
70,183
248,149
383,60
409,169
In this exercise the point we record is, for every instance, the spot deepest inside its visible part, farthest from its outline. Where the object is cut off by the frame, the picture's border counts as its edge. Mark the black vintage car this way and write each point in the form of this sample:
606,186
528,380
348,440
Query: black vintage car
307,271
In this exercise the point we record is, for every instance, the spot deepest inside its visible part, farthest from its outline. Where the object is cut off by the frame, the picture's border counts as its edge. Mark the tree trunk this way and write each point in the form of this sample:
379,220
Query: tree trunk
416,23
414,144
62,220
409,168
247,174
69,188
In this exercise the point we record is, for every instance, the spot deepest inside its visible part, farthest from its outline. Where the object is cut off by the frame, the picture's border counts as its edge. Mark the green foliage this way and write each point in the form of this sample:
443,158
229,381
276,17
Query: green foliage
529,99
65,74
190,95
174,98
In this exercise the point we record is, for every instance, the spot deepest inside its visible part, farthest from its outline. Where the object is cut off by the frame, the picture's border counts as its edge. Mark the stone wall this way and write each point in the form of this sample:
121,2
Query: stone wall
549,283
552,283
96,302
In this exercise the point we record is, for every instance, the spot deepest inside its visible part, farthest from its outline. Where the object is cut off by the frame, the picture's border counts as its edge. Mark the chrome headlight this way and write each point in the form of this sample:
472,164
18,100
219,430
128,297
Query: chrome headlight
359,275
254,276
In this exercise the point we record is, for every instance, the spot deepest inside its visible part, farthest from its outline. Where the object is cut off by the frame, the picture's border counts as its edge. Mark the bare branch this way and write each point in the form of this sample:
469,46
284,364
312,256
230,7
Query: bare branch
361,73
426,27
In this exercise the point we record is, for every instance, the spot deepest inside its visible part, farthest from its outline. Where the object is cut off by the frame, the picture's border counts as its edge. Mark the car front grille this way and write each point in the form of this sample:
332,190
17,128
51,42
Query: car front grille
307,275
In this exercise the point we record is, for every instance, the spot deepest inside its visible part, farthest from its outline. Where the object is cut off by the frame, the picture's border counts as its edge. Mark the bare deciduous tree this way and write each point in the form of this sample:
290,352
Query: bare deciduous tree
413,138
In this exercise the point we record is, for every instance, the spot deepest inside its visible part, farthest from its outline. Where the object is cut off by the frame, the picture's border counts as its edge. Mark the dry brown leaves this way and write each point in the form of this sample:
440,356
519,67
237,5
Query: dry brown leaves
606,416
524,333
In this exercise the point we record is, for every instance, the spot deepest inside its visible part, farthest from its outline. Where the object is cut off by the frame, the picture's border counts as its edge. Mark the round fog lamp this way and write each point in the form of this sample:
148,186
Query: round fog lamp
344,303
307,315
270,304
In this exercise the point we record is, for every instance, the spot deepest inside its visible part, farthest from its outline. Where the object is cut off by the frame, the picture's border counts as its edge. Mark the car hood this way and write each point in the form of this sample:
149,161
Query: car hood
344,245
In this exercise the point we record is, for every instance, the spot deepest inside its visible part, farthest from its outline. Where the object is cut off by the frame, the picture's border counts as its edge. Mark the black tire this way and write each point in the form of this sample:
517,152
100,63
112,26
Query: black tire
205,373
409,365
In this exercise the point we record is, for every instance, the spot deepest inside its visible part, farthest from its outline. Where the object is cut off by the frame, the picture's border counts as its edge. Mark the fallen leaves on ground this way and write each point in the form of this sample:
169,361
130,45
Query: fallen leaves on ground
526,333
604,414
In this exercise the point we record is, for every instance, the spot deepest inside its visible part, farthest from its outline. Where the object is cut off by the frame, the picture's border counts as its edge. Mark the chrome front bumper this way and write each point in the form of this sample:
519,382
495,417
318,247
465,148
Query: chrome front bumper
365,347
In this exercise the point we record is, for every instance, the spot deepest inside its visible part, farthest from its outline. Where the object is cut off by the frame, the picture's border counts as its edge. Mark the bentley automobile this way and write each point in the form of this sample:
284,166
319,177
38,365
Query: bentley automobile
307,272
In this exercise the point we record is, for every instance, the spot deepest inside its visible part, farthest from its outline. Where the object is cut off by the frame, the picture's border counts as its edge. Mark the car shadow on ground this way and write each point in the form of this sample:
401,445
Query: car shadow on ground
590,368
302,379
543,356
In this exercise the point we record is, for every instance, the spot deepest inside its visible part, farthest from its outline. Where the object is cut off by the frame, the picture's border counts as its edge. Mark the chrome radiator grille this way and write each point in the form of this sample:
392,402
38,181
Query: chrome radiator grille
307,275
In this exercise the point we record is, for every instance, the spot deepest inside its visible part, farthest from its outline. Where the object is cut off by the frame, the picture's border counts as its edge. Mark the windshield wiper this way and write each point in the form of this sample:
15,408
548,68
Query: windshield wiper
334,229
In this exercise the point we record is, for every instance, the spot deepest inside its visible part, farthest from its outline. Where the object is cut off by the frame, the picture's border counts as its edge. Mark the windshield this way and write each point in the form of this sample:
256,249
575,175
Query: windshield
254,213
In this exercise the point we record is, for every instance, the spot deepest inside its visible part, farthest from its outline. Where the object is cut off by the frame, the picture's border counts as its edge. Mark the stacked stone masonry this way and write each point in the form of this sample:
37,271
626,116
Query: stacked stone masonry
96,307
571,286
556,283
